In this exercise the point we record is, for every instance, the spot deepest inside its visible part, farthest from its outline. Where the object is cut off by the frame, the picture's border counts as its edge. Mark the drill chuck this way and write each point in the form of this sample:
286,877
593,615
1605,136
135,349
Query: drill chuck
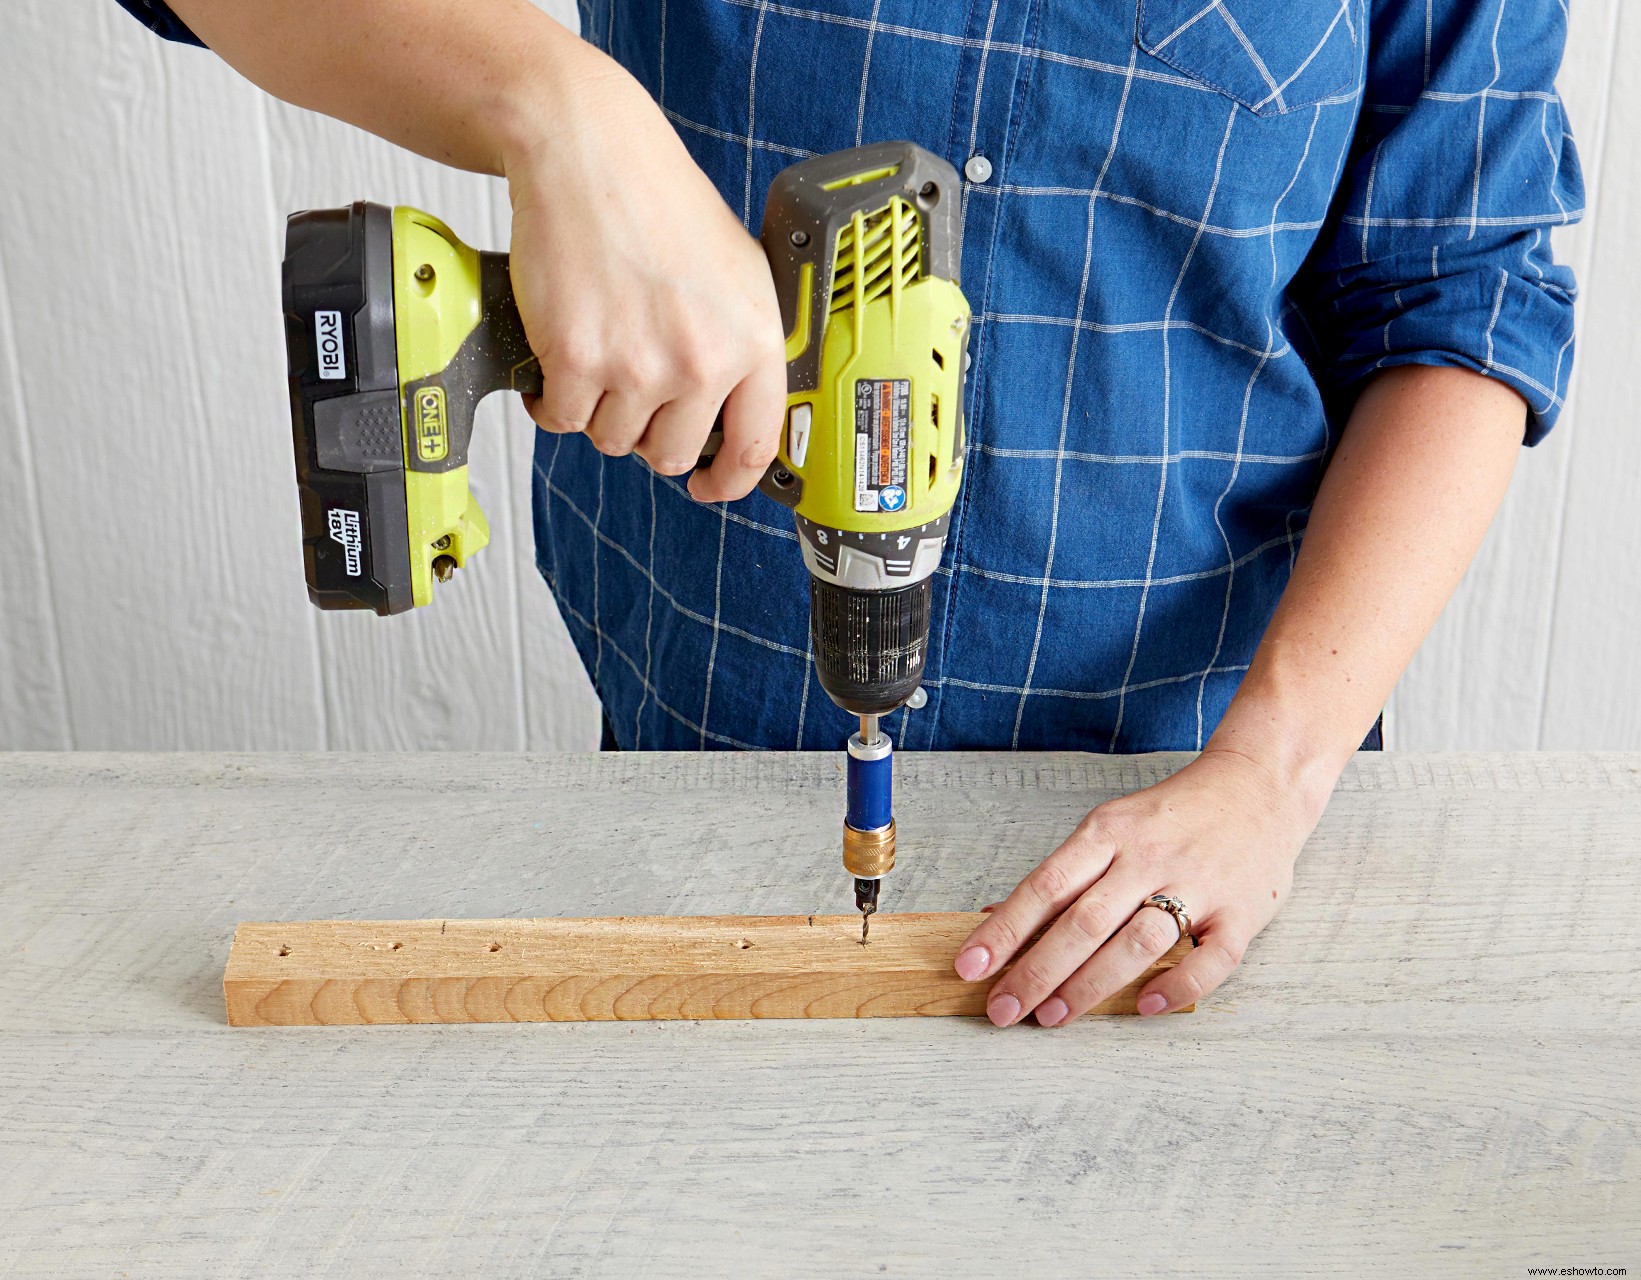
869,644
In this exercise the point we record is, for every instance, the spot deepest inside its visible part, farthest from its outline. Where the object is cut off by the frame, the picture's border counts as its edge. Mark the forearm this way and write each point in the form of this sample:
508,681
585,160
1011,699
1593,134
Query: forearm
1419,473
466,84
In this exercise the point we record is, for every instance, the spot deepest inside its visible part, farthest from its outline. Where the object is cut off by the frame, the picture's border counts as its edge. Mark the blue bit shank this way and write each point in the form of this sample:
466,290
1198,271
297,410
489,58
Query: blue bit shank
870,787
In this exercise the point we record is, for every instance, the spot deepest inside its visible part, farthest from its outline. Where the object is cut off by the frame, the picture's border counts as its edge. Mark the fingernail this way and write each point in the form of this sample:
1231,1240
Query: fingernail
1152,1002
973,963
1052,1012
1003,1010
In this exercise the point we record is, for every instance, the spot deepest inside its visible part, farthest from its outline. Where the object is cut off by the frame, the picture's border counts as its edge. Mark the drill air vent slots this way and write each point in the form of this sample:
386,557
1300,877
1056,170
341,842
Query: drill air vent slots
890,244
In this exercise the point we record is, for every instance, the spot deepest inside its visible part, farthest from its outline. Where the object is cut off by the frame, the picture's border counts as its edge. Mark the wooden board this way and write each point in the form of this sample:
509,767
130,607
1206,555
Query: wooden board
351,973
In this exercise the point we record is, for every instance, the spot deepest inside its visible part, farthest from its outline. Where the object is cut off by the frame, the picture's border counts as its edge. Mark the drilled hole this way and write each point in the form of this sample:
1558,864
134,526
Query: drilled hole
742,944
495,946
397,945
284,951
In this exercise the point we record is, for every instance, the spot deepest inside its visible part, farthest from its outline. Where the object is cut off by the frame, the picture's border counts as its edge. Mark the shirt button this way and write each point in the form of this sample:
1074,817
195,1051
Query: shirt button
978,169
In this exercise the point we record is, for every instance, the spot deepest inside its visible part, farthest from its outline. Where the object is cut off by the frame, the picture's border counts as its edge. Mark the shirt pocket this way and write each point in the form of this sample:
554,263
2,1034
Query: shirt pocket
1272,56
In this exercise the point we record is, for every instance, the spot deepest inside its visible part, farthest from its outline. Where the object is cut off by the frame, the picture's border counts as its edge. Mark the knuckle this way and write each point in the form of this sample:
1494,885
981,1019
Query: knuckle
1122,835
698,364
558,421
1081,994
1098,818
727,487
1089,917
1094,835
1001,935
1234,946
705,487
1189,985
769,347
573,356
674,465
1030,976
1048,882
757,455
765,331
648,366
1152,933
1106,816
610,446
635,373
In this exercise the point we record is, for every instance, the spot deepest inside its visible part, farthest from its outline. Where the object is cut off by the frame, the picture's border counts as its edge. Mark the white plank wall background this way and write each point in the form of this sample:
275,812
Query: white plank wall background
151,596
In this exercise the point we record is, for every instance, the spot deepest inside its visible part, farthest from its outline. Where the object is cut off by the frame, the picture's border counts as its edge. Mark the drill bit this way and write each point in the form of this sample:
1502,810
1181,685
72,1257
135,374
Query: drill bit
868,827
866,902
866,891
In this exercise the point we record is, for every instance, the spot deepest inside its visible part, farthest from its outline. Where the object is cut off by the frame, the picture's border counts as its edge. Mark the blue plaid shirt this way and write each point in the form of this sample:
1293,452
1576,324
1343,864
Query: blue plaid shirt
1192,229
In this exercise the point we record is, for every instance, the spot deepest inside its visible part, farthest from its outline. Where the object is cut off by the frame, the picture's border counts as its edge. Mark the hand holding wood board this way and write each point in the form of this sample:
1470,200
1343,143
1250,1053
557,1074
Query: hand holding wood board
352,973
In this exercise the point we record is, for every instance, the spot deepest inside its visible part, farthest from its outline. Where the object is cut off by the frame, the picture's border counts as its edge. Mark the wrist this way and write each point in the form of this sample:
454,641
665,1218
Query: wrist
1282,737
546,96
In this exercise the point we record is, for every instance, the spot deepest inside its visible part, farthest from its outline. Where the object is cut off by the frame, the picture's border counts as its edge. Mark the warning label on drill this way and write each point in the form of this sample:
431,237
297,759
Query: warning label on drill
883,419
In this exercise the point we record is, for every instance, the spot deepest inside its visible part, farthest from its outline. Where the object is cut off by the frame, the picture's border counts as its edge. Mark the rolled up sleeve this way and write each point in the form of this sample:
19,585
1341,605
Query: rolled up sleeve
1437,247
158,18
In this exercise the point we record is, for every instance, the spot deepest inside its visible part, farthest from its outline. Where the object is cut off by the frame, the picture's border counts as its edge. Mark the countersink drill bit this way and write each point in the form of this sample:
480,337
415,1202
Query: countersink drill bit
869,826
866,902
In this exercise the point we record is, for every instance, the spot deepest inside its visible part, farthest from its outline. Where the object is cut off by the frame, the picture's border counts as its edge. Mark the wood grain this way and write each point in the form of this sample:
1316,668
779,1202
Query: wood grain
357,973
1421,1067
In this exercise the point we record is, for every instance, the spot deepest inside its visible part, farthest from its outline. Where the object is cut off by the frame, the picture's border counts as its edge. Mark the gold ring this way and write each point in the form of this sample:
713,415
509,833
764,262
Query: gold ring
1174,907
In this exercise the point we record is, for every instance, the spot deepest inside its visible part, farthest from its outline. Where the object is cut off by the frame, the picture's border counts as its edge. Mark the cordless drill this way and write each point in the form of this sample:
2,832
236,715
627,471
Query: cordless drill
395,330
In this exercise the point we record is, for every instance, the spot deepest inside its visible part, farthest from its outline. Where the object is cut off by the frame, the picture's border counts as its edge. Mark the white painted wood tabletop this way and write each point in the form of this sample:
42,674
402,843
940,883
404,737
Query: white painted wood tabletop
1426,1066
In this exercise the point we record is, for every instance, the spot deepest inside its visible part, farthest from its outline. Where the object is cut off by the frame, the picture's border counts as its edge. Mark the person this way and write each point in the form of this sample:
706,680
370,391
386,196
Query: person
1264,308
